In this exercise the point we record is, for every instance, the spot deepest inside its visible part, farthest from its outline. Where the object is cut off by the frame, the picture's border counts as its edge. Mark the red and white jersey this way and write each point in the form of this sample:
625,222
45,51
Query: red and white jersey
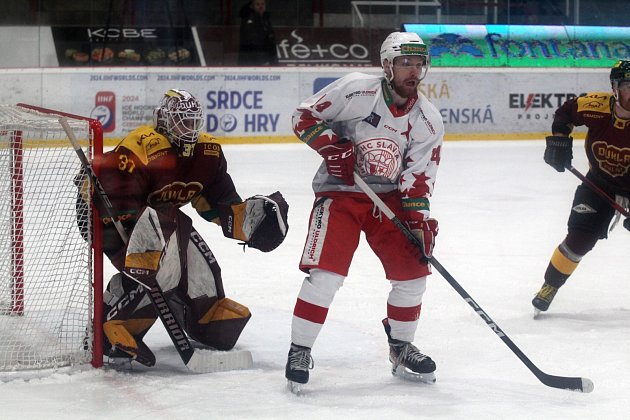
396,147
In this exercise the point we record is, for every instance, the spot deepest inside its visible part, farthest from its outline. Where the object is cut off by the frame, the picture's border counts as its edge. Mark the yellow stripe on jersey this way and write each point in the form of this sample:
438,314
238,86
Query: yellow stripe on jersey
206,138
598,102
143,142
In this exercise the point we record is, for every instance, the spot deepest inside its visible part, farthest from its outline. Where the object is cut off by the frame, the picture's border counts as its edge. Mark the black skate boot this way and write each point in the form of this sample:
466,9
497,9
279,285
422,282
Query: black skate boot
544,297
298,364
407,361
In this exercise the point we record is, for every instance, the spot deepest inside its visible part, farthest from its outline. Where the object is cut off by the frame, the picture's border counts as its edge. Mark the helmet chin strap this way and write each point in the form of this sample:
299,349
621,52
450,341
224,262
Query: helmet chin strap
391,70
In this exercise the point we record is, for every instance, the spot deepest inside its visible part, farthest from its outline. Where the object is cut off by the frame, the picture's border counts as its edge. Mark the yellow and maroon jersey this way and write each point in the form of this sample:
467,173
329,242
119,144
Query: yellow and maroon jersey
145,170
607,140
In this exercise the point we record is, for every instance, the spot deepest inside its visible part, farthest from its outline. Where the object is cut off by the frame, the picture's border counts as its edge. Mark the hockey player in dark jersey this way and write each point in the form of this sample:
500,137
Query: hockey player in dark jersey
607,145
148,176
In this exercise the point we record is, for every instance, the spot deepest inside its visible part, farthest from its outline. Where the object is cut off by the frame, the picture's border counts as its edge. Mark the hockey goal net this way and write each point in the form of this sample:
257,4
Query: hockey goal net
50,272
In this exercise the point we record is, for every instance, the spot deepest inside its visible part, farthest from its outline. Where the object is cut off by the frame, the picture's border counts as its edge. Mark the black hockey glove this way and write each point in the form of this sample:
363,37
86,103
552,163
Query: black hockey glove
559,152
626,224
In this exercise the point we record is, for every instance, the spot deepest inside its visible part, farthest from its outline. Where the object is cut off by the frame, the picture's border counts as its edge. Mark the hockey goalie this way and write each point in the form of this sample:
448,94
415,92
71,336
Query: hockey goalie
148,177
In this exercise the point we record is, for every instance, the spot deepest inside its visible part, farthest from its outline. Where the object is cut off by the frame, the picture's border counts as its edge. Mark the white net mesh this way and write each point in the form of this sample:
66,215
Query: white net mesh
45,263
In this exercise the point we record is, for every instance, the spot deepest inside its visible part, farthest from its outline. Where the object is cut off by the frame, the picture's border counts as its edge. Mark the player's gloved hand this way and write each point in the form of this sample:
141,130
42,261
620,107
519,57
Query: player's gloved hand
626,223
559,152
426,231
340,158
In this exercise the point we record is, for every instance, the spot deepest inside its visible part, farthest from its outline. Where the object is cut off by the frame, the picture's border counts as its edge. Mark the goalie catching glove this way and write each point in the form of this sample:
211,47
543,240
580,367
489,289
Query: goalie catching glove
260,221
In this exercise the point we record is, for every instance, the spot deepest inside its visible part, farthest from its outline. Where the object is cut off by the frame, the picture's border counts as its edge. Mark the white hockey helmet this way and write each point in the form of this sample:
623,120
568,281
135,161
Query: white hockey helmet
180,118
405,43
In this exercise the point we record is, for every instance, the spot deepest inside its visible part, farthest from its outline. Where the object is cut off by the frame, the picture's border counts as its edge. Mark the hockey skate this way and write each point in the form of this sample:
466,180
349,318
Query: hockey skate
407,361
299,362
543,298
410,364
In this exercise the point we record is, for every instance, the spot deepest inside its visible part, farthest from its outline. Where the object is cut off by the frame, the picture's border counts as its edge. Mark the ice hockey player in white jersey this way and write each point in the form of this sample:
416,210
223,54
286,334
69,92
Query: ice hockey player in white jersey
391,135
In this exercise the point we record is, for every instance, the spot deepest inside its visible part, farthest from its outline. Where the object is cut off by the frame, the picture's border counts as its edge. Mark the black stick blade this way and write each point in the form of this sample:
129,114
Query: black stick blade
584,385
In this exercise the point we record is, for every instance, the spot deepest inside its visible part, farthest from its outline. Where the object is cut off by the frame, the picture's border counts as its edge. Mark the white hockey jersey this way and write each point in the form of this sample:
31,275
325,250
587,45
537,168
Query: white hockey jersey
395,147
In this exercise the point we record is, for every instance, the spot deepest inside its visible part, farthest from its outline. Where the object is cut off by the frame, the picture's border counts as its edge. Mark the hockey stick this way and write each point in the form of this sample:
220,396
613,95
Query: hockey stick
562,382
598,191
196,360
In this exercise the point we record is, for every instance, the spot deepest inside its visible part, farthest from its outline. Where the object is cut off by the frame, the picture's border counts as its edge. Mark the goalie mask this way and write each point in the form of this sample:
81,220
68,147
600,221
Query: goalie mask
180,118
398,44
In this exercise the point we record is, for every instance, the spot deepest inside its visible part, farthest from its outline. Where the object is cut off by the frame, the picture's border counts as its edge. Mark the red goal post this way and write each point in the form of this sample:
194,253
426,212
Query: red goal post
51,259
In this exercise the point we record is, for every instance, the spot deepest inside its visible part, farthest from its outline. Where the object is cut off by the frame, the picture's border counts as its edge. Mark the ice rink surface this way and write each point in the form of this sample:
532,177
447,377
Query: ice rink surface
502,211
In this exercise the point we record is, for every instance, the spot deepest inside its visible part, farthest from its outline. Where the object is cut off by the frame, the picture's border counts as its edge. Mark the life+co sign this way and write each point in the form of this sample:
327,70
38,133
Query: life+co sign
293,50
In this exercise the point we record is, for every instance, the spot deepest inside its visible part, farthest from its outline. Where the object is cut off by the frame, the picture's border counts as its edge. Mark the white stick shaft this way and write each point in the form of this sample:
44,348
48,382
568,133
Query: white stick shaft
377,200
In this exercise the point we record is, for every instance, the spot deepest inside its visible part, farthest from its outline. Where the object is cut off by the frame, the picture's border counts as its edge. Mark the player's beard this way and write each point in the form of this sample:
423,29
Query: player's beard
407,88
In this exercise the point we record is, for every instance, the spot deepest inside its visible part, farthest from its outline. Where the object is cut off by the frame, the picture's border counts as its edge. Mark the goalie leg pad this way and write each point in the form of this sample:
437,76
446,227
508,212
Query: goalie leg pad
121,338
118,335
221,325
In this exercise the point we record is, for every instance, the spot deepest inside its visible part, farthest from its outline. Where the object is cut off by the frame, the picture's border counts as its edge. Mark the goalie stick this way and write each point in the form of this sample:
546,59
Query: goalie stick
196,360
561,382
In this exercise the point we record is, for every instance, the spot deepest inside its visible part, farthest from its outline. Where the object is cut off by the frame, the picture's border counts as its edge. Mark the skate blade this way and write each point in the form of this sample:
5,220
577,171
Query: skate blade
118,363
295,387
409,375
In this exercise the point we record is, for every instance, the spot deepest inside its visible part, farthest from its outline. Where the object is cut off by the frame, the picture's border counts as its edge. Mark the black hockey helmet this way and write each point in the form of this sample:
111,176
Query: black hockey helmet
620,71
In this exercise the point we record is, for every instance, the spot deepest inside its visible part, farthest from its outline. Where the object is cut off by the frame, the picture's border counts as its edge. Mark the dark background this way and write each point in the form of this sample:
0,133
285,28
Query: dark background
327,13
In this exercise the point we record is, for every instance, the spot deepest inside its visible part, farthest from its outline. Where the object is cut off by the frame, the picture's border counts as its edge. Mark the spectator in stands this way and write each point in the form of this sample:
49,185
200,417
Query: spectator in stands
257,39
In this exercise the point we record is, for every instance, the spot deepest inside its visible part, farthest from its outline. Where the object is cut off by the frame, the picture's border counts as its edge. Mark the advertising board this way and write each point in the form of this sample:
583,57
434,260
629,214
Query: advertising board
524,45
256,104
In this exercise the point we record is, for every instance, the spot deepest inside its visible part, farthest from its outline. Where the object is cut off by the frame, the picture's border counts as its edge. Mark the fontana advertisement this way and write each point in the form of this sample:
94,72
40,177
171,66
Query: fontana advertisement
524,45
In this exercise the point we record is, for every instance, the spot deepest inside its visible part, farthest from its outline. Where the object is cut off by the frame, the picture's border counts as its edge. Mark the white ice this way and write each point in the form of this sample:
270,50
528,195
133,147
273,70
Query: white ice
502,212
